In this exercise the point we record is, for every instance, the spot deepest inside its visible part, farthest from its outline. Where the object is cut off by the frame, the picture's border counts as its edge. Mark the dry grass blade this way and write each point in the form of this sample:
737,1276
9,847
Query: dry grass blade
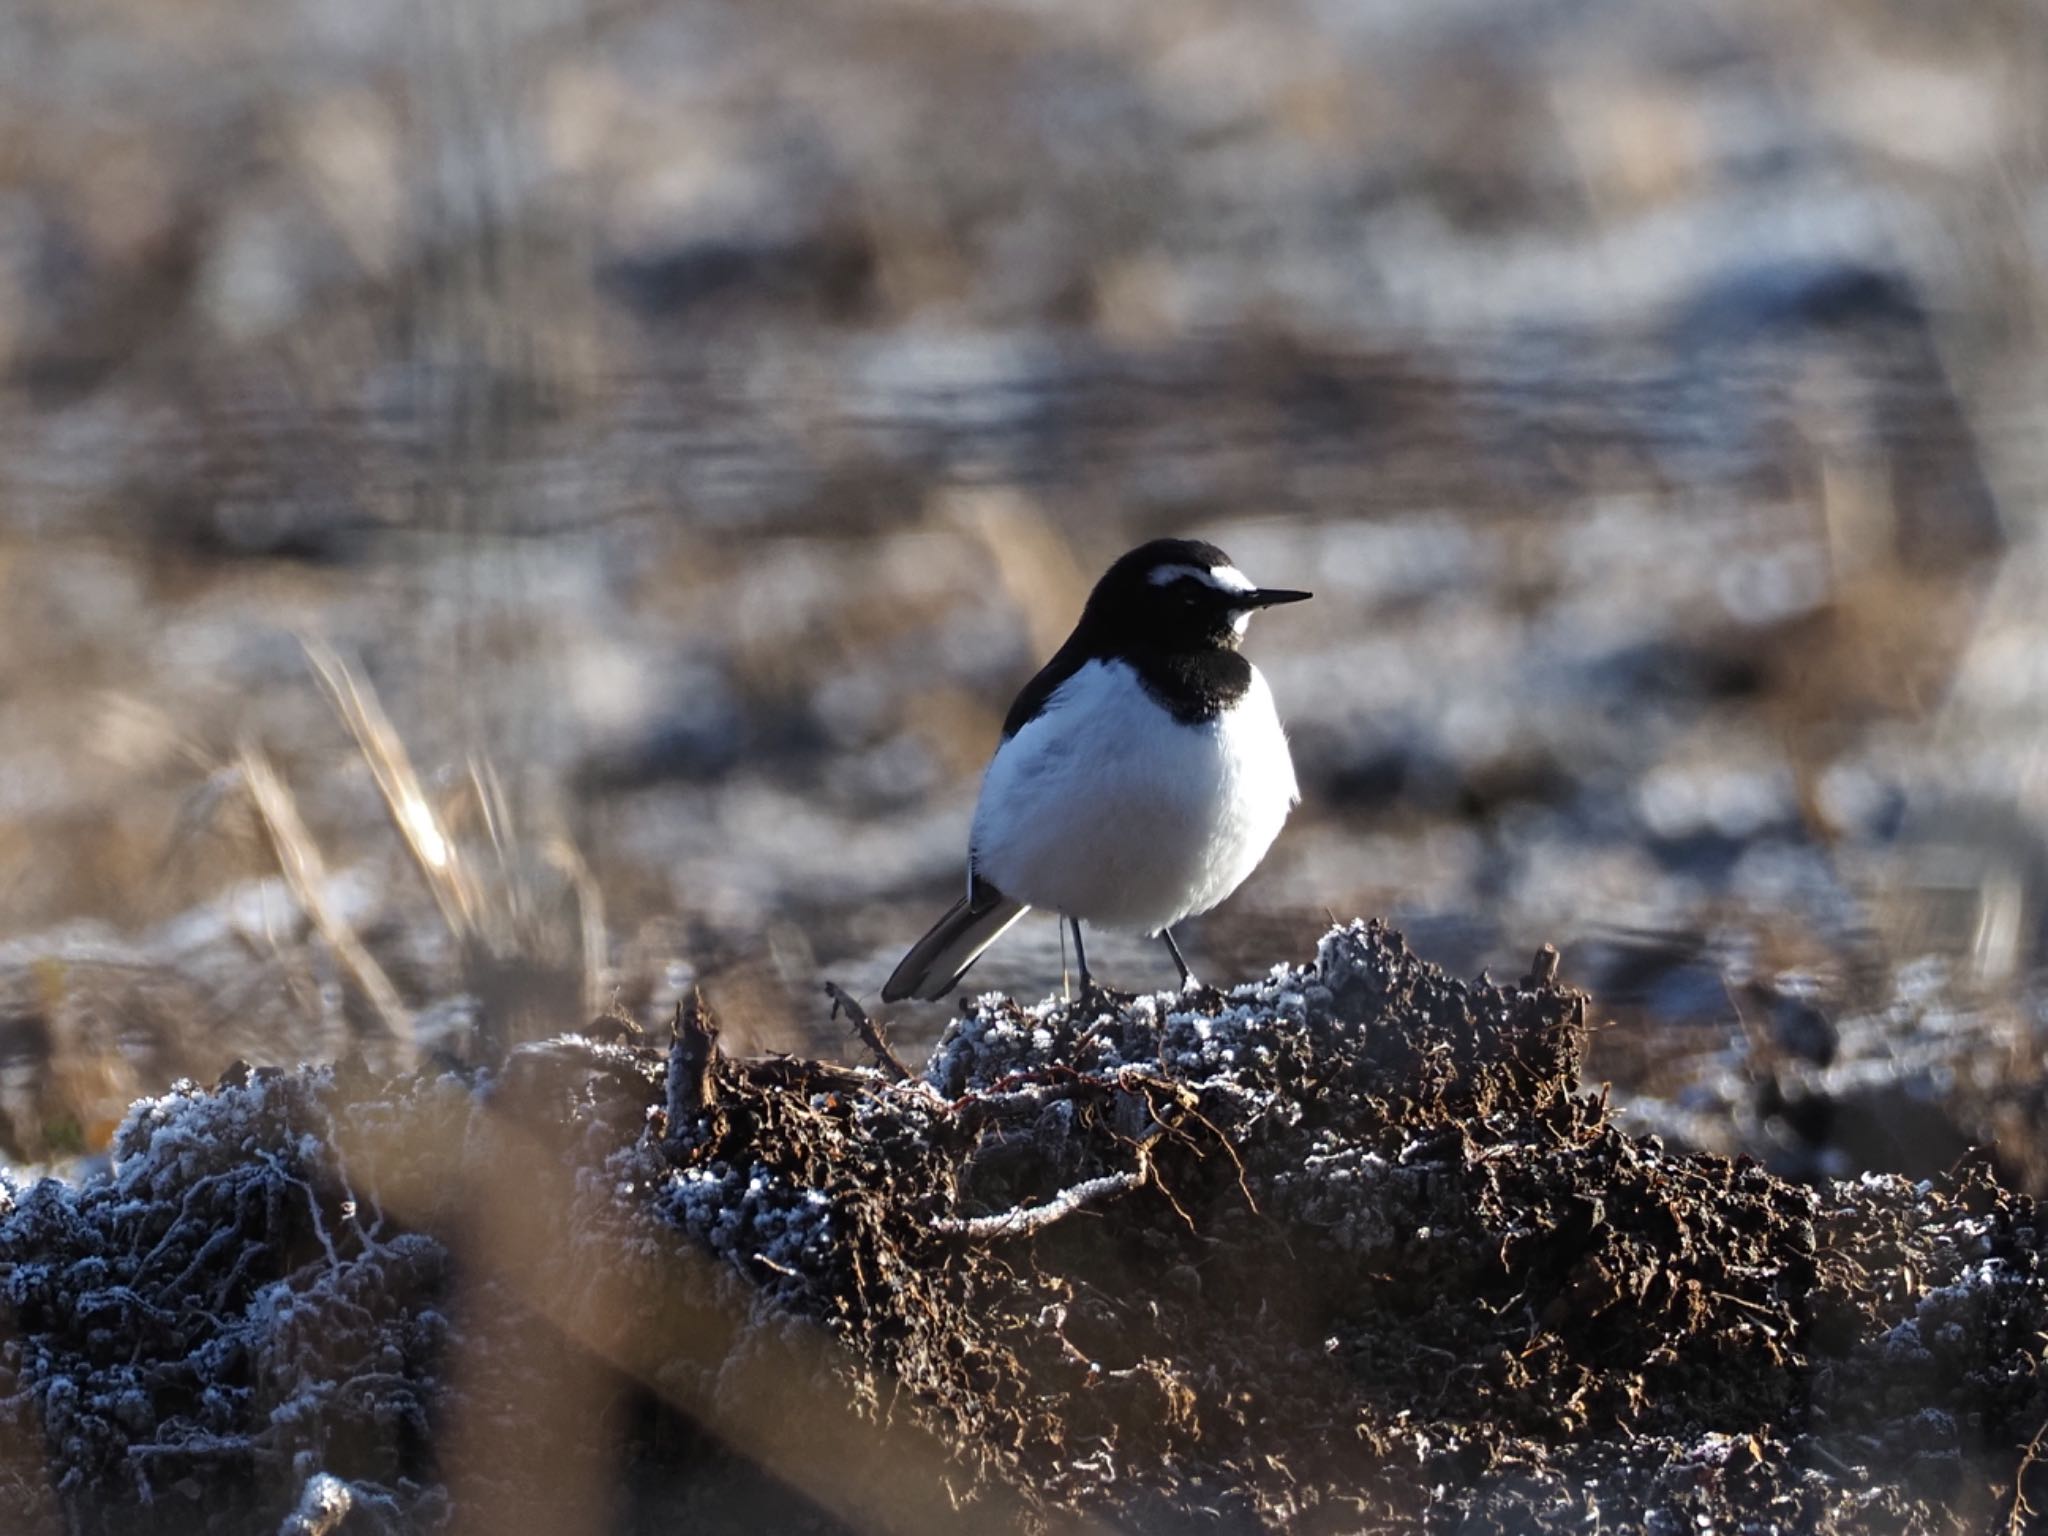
304,869
448,878
503,919
1033,560
562,856
493,807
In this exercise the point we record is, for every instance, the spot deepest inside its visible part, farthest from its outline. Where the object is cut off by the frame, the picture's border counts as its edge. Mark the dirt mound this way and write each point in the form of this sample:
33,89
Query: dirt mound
1345,1249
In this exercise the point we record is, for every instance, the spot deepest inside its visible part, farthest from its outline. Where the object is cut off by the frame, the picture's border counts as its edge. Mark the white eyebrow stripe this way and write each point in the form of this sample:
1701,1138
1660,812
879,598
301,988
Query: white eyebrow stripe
1231,579
1224,578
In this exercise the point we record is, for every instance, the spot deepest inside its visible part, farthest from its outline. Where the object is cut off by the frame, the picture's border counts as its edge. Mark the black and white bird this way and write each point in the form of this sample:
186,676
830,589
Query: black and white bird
1142,774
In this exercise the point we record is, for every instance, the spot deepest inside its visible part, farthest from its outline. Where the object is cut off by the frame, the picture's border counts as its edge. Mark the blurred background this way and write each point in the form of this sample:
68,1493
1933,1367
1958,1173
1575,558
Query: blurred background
511,509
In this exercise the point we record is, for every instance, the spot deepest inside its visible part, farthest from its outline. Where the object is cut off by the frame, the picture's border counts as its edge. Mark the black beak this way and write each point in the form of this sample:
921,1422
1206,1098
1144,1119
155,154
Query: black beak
1270,597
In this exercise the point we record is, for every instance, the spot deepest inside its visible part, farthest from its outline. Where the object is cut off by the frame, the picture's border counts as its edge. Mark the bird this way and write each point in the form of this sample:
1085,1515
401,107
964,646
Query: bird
1141,776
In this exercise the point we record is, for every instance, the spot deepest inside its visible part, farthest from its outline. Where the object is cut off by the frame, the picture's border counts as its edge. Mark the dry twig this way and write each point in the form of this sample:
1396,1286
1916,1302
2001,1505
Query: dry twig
869,1031
690,1060
1020,1221
2022,1512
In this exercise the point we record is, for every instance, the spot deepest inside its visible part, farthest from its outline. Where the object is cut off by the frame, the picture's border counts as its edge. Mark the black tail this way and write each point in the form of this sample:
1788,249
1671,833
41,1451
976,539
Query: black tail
937,961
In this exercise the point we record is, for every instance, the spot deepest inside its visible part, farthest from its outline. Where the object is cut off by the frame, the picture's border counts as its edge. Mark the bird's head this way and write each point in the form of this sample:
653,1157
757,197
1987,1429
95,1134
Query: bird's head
1179,594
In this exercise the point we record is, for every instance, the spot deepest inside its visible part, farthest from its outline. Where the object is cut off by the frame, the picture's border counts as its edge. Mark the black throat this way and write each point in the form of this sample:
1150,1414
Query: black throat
1195,685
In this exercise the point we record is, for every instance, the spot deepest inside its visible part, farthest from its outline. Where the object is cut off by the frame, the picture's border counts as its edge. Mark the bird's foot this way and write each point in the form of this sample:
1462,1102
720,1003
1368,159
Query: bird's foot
1097,1010
1094,997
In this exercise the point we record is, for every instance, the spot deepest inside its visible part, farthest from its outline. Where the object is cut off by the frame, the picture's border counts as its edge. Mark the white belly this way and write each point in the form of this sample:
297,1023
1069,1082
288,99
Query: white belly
1108,809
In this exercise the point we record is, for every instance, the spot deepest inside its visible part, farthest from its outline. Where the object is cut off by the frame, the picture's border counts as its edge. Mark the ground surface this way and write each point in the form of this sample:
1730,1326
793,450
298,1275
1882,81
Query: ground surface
1348,1249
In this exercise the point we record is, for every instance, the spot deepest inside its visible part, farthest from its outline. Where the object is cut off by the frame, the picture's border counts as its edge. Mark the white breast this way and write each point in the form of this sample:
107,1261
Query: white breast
1108,809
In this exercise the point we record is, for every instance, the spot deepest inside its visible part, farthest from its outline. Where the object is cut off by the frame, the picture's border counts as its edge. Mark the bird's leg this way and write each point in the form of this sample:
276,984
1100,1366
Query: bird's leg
1081,961
1187,977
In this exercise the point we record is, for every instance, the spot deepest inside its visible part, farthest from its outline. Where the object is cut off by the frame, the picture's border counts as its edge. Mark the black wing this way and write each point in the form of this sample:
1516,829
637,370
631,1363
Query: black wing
1030,703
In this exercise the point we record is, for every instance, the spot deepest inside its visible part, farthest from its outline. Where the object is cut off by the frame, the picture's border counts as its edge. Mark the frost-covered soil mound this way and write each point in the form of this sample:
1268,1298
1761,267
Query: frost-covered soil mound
1346,1249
